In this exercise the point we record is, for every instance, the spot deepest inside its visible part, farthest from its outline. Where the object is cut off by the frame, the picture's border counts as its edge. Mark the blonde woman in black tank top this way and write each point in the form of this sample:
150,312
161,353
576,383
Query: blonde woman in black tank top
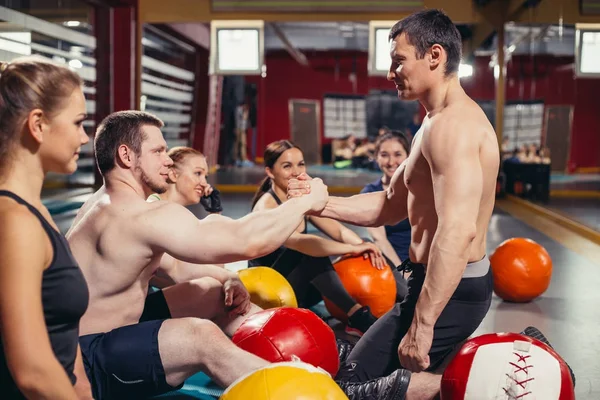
42,291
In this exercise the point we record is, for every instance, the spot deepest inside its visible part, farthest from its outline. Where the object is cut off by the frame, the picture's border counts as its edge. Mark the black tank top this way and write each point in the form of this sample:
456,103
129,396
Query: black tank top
64,298
270,258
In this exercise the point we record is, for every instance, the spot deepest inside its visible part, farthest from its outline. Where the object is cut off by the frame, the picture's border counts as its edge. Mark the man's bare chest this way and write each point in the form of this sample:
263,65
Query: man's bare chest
417,175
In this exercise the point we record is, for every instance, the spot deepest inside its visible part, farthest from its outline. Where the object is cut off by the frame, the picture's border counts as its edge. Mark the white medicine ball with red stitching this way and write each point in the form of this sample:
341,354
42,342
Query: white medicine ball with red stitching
507,366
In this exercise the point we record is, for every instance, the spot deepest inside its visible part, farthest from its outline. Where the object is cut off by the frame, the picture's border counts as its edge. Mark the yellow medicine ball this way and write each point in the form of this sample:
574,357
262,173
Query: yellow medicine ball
268,288
285,381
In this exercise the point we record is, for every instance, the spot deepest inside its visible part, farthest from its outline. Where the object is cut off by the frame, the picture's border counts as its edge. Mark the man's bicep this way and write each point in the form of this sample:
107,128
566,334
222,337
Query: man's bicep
457,180
173,229
213,240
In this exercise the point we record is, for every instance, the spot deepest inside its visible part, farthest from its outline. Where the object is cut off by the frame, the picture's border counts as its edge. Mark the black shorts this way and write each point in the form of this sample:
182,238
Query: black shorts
125,362
376,353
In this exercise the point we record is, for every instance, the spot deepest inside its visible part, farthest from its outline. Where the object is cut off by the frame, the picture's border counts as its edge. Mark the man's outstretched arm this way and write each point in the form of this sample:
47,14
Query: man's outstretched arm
368,209
173,229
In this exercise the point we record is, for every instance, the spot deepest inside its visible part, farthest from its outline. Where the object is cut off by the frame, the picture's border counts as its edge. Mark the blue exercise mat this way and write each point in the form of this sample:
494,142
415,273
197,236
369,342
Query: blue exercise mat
321,310
199,386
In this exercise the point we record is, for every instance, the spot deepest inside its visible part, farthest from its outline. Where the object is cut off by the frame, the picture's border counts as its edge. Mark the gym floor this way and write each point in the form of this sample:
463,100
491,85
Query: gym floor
566,313
578,209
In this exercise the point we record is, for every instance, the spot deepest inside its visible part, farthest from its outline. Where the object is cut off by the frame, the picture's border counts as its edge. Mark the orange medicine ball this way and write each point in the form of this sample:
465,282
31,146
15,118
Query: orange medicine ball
522,270
366,284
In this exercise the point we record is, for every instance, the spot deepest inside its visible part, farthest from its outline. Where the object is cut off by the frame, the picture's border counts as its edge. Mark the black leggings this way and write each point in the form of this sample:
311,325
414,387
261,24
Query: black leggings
311,278
376,353
314,277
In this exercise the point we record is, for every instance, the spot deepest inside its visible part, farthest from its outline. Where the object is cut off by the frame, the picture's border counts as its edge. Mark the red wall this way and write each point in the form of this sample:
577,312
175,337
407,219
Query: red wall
552,80
585,136
545,78
287,79
541,78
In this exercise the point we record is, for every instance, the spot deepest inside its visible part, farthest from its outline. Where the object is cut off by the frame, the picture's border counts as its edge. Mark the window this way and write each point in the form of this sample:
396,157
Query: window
344,115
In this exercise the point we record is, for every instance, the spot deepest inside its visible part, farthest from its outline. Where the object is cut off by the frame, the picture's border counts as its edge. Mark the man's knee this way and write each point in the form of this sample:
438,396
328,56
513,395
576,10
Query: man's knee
196,331
204,328
192,327
190,342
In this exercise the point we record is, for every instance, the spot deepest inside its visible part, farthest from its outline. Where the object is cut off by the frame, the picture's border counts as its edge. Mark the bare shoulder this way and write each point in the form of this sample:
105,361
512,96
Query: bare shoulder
16,218
21,229
471,115
266,202
88,207
156,212
461,124
156,219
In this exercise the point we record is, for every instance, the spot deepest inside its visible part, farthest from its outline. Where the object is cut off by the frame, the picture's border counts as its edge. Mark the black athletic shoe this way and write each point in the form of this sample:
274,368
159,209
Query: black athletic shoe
391,387
344,349
535,333
360,321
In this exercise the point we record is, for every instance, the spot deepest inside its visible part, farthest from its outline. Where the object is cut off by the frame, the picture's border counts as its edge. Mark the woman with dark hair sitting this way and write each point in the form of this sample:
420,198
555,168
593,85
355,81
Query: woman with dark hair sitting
304,259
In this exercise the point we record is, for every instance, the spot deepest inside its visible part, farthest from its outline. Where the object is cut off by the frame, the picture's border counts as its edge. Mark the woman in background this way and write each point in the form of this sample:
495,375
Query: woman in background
188,184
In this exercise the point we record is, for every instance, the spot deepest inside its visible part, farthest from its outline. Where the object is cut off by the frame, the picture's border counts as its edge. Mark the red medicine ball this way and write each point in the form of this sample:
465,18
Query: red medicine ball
507,366
281,334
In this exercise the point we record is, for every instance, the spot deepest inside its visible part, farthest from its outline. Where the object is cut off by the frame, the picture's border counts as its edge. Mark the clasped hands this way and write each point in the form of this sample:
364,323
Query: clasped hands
302,186
299,186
